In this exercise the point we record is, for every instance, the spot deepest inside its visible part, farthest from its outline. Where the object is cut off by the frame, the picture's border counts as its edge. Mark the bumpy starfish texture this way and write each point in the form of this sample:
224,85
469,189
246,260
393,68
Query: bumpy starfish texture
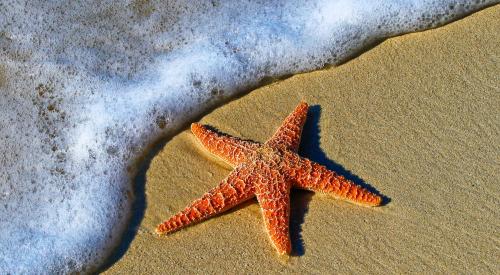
267,171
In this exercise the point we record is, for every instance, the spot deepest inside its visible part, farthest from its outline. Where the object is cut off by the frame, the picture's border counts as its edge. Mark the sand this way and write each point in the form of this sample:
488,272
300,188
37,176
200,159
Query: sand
417,117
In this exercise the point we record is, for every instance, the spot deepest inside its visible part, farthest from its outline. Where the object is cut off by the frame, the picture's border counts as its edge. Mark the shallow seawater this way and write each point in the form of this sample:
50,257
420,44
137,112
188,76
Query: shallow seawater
86,88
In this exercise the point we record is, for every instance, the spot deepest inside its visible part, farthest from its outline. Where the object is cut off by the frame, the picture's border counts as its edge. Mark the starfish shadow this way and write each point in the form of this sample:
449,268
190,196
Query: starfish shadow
298,209
310,148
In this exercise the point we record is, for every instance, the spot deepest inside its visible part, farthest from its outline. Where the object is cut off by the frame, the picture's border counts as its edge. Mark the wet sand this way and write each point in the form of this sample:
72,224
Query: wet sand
417,118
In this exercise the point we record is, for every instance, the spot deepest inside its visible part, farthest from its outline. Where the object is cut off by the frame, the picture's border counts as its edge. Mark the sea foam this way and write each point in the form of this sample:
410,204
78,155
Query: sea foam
87,87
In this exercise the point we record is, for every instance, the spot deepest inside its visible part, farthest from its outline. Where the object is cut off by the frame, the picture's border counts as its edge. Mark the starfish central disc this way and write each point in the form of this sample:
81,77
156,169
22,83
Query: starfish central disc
269,155
267,171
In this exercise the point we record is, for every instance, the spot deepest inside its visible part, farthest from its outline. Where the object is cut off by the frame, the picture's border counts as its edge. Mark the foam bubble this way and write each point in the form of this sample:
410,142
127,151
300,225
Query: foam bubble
86,87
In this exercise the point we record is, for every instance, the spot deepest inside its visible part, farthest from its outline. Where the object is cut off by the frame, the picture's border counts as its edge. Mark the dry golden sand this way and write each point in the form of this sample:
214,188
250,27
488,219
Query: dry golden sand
417,117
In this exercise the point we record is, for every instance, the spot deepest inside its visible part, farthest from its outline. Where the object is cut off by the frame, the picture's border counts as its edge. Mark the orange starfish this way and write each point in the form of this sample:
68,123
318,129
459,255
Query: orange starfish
267,171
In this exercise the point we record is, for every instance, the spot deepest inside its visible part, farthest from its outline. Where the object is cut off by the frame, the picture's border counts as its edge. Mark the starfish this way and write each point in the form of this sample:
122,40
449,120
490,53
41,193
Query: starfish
267,171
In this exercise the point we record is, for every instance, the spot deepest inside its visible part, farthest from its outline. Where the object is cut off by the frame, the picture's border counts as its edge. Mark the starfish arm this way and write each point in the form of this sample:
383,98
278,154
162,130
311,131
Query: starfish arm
231,149
315,177
273,194
288,134
233,190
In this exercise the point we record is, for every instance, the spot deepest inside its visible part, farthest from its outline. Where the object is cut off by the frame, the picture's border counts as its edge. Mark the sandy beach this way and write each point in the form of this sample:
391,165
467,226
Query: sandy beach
417,118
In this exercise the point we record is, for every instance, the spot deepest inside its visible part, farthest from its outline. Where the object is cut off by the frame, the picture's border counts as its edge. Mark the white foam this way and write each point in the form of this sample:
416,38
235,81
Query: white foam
86,87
